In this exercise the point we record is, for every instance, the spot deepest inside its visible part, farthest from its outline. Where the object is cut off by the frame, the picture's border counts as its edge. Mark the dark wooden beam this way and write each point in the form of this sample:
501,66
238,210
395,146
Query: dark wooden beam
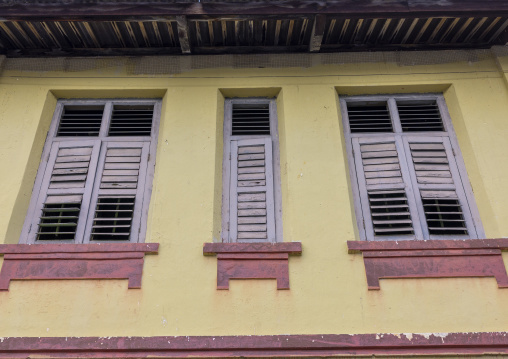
94,52
205,50
318,30
183,34
78,10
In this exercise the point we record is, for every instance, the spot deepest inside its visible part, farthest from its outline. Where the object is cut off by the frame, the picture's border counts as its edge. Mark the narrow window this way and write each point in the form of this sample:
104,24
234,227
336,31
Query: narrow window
251,205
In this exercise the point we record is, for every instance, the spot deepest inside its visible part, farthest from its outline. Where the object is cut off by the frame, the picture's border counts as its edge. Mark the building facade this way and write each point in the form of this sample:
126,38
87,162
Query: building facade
207,198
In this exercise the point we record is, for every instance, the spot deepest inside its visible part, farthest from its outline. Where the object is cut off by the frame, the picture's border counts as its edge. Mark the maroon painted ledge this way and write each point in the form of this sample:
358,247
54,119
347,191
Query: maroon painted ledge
74,261
432,259
253,261
276,346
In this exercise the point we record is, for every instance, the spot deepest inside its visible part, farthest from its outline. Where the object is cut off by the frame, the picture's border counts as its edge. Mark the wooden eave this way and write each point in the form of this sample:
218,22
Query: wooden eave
91,28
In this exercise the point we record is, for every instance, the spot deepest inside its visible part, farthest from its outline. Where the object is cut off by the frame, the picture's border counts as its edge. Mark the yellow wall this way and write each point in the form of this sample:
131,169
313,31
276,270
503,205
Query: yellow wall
328,286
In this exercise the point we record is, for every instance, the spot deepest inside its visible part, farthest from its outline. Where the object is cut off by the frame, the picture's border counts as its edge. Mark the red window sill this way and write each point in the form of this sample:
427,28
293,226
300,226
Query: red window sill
432,259
74,261
253,261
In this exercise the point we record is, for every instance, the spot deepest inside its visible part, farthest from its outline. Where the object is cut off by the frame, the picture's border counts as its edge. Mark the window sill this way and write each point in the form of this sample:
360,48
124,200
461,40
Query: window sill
432,259
74,261
253,261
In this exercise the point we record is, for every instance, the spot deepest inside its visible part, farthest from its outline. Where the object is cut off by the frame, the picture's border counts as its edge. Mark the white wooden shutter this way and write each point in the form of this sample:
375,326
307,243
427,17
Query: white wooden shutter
117,199
388,204
442,201
64,193
251,198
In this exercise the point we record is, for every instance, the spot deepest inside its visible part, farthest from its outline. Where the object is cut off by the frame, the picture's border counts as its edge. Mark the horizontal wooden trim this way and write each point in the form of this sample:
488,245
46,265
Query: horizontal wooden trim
362,246
293,248
78,248
432,259
256,346
346,8
74,261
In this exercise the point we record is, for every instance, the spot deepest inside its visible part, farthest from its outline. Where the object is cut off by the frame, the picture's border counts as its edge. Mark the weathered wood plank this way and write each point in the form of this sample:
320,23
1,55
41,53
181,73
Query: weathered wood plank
251,163
251,176
251,149
251,220
183,34
251,212
438,194
251,197
318,30
252,228
251,205
77,151
251,183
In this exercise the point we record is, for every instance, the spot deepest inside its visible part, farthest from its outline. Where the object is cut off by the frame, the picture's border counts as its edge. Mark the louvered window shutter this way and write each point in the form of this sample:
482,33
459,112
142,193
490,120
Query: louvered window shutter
440,191
118,192
251,193
63,199
251,199
388,205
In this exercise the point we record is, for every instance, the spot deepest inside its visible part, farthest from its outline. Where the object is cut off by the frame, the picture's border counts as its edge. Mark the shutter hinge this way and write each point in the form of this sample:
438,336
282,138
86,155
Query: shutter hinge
149,157
453,151
30,229
228,226
230,156
363,223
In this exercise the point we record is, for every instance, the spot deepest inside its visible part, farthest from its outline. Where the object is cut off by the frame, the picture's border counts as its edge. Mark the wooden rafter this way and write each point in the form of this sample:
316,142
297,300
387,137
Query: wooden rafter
318,30
183,34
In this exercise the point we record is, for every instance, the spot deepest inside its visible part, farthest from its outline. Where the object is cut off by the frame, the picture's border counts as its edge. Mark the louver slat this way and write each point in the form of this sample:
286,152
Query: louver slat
441,204
369,117
80,121
420,116
252,198
131,121
250,119
382,188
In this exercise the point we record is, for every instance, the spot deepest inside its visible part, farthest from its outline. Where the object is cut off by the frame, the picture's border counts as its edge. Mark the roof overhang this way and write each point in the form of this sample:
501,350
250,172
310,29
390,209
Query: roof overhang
91,28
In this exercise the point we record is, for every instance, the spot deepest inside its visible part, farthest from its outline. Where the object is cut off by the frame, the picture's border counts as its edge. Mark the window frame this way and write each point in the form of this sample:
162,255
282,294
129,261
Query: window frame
397,133
226,165
104,140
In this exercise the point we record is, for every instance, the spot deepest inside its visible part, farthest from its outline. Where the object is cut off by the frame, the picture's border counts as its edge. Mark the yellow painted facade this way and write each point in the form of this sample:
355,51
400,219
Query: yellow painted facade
328,287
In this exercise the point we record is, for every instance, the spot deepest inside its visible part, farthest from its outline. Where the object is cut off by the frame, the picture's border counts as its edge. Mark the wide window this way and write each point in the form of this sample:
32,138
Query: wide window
409,180
251,208
95,176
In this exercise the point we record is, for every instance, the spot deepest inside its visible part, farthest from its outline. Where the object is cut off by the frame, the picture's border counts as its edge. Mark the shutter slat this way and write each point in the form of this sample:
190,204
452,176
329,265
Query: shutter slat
252,176
251,205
